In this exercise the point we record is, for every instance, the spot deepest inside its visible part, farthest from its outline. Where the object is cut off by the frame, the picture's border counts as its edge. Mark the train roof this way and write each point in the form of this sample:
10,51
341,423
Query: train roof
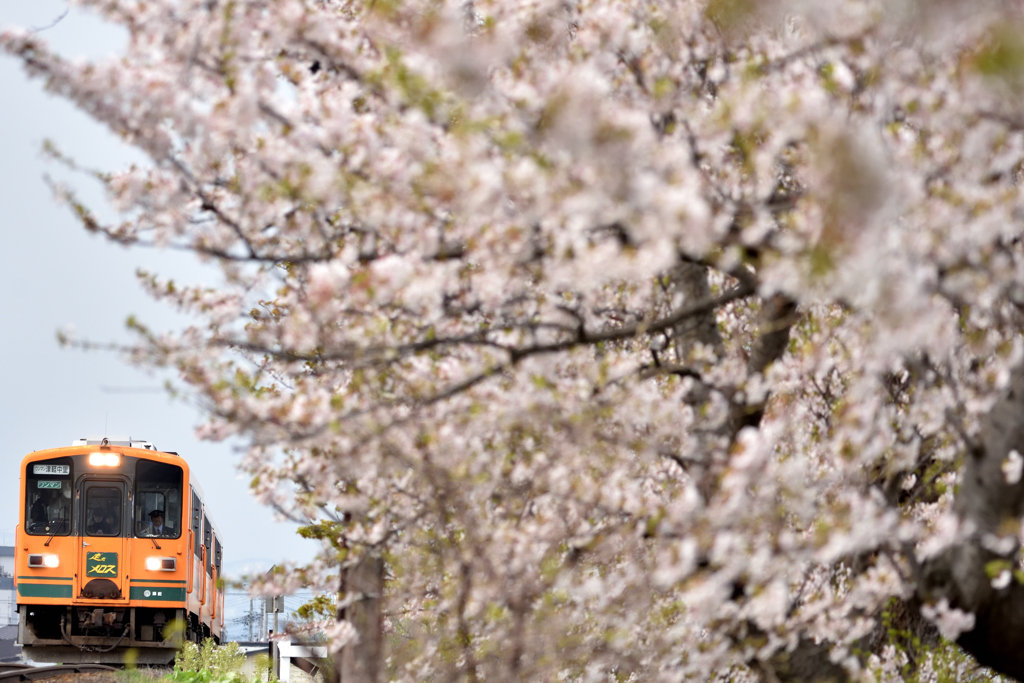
134,450
126,446
115,441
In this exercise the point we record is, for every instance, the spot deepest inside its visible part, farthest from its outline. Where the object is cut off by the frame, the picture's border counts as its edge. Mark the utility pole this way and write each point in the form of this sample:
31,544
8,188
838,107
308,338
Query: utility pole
250,620
263,622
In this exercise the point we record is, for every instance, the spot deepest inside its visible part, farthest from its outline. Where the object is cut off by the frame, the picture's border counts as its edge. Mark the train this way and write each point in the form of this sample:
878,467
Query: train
117,559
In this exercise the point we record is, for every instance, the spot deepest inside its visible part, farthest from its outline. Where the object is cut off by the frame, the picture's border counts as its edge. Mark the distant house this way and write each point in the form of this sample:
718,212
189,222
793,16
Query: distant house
9,652
252,650
8,612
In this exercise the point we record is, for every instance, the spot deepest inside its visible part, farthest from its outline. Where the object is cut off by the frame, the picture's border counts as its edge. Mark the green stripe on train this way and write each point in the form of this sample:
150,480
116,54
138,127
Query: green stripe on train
164,593
43,590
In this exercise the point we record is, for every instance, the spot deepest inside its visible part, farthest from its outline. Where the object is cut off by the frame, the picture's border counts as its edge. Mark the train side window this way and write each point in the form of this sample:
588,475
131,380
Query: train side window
48,508
103,511
208,539
197,519
217,554
158,489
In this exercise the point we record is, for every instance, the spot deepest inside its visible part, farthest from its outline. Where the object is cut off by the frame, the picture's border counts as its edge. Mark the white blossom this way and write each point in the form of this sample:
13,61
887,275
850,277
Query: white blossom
1012,467
644,340
951,621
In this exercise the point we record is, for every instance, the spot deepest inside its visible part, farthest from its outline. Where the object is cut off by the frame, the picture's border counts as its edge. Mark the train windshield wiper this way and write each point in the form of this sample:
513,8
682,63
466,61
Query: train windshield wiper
57,527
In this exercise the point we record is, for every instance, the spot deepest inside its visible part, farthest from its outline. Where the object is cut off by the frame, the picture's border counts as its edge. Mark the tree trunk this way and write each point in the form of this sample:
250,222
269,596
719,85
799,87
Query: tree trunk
990,505
360,661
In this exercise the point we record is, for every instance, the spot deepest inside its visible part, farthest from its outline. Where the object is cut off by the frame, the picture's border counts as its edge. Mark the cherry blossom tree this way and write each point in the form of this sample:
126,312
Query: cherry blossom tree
602,340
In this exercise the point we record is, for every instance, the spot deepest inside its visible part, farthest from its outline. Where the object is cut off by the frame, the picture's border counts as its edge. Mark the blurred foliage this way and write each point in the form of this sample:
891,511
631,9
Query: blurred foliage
320,607
210,662
924,656
1003,56
728,14
264,672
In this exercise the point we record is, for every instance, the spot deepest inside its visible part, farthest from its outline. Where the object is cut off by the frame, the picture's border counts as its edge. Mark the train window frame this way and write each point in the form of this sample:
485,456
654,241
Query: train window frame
63,525
118,508
145,491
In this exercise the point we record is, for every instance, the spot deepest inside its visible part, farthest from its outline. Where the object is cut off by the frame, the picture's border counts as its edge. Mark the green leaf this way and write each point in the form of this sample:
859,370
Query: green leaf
997,567
1003,57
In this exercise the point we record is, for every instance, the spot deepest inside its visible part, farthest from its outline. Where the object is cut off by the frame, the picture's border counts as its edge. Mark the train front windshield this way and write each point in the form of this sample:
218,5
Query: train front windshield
158,490
48,497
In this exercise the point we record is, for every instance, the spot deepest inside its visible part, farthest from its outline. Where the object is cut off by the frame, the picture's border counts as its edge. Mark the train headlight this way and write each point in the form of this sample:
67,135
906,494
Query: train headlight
161,564
100,459
49,561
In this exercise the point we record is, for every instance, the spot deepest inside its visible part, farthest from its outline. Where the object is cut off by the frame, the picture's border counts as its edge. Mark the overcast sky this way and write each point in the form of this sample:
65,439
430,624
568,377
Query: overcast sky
54,275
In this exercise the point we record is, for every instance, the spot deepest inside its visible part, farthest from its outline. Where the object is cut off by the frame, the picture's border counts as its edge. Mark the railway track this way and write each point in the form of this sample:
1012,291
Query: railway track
23,672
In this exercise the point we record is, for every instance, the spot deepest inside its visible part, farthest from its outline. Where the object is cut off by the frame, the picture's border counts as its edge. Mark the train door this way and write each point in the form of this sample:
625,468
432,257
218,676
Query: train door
103,563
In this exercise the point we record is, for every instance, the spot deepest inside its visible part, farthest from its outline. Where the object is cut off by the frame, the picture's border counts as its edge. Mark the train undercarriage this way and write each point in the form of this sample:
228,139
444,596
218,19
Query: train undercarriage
104,634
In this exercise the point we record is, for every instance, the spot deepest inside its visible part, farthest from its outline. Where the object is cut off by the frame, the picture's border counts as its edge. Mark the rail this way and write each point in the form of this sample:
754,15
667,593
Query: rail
24,672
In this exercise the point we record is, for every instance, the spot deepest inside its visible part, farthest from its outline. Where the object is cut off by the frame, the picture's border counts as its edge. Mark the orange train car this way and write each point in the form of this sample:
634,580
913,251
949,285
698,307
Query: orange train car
115,552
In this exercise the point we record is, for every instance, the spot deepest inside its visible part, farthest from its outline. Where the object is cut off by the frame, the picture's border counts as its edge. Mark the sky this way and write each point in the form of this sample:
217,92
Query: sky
54,275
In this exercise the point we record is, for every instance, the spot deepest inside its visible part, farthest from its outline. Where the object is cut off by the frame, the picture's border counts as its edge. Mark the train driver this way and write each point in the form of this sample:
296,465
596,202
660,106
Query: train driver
156,524
96,525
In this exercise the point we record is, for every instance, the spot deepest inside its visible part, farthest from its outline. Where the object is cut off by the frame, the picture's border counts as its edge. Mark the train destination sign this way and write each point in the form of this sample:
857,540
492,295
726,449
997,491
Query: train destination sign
101,564
51,469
